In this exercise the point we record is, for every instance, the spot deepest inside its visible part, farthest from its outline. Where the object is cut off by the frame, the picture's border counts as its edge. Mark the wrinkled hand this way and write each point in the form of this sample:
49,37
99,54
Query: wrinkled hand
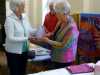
48,35
32,39
45,39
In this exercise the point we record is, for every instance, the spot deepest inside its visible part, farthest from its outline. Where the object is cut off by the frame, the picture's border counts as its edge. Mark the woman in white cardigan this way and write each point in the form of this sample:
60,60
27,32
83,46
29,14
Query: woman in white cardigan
18,31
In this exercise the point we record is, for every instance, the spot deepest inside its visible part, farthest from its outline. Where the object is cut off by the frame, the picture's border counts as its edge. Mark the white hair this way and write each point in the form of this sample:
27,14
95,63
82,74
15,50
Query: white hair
15,3
62,6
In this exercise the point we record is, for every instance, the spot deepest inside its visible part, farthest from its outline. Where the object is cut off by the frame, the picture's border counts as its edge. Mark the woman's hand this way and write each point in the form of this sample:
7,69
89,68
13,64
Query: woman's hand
32,39
38,40
45,39
49,34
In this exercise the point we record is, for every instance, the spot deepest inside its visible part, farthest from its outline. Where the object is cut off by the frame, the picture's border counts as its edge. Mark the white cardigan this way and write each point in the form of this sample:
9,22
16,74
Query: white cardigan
15,33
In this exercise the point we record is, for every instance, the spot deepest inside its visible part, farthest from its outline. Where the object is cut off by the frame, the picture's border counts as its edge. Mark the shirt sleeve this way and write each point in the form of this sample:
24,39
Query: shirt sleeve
9,29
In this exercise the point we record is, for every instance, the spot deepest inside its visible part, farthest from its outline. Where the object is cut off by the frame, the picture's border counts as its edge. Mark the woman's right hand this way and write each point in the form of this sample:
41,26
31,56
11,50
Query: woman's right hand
44,39
32,39
49,34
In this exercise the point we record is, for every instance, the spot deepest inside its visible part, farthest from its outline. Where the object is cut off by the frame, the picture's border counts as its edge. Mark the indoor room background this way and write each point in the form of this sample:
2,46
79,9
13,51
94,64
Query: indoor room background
36,9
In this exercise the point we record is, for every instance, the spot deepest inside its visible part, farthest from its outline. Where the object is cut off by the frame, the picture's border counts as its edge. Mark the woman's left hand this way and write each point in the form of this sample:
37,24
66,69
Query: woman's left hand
32,39
45,39
48,35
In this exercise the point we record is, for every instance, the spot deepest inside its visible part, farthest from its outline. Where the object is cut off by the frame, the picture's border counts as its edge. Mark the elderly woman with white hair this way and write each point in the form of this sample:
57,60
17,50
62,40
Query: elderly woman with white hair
18,30
50,19
65,37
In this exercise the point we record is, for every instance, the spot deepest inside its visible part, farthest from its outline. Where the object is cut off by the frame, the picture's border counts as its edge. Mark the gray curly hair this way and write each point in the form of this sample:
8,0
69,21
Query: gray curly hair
15,3
62,7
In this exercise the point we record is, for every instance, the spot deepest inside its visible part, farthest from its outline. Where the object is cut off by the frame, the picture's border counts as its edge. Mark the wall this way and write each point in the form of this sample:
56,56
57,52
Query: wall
8,11
91,6
76,6
95,6
34,9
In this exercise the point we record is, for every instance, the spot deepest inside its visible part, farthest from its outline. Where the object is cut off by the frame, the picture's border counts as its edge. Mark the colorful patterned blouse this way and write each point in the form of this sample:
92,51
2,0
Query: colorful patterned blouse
68,52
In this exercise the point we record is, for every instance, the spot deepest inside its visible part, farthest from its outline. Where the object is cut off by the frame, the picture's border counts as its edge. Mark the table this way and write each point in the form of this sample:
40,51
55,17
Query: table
62,71
38,57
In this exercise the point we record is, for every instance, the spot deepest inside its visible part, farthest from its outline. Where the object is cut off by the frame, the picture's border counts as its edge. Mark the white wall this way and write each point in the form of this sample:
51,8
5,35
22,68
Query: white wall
86,5
91,6
34,9
76,5
8,11
95,6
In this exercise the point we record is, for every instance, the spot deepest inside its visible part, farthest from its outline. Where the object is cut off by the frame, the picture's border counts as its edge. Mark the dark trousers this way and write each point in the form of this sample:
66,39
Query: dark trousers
17,63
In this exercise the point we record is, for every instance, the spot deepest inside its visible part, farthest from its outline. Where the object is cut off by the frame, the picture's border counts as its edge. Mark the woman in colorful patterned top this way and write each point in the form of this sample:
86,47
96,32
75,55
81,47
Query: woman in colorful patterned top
64,42
65,37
